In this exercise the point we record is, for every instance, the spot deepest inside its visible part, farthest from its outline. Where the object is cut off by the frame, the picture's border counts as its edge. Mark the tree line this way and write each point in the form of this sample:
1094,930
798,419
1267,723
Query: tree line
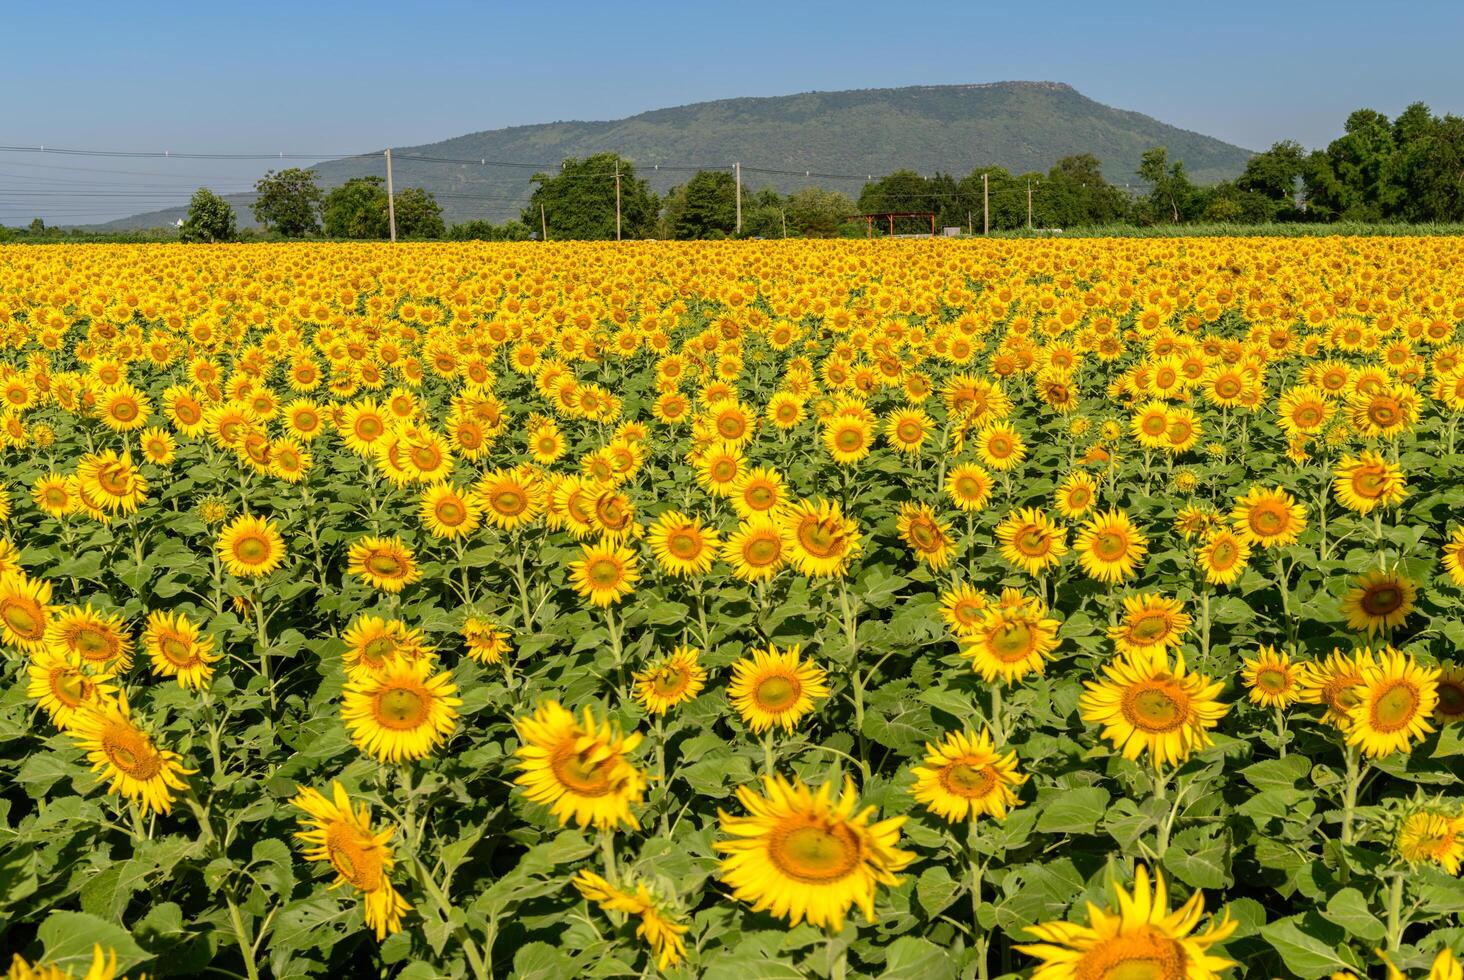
1409,169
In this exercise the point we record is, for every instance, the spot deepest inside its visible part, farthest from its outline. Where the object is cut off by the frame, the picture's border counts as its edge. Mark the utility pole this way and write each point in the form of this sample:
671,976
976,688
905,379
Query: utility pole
390,197
737,172
784,215
970,225
985,206
543,225
1029,203
617,199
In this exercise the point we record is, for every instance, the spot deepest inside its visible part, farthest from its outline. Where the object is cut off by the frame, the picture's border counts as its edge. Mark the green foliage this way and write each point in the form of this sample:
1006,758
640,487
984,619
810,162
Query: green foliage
288,202
210,219
486,231
418,215
579,201
1171,195
704,207
357,209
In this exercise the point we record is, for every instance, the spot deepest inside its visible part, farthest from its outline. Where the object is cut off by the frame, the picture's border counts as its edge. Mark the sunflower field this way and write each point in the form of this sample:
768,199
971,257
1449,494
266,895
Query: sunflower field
906,609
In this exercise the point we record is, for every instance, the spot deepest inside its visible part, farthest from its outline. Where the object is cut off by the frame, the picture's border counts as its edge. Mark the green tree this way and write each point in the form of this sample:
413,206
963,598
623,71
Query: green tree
210,219
418,215
1355,178
1171,195
1004,195
479,230
1429,165
288,202
813,212
579,201
901,191
704,207
357,209
1075,194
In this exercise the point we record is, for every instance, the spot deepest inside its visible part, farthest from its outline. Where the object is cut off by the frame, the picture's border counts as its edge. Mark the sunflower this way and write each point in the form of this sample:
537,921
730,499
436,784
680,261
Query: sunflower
964,776
674,680
758,490
447,512
1273,679
1269,518
660,931
605,574
1450,708
579,769
251,547
401,712
122,407
1426,837
1454,557
821,540
1000,447
1304,409
372,643
719,466
508,498
1222,556
178,648
487,641
1012,639
774,687
756,550
1150,623
25,610
99,639
925,535
906,429
110,482
1368,481
968,486
1145,705
103,966
361,855
125,755
1141,939
1031,542
803,855
848,439
383,563
60,686
158,446
1394,699
1333,683
1379,600
55,495
963,607
681,545
1110,548
362,425
1076,495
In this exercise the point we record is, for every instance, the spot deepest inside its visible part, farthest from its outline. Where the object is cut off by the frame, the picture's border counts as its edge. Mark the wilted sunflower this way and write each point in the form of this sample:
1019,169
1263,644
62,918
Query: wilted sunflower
383,563
656,926
1269,518
178,648
1273,679
605,574
403,711
125,755
1332,683
60,686
1366,482
1110,548
487,641
100,639
110,482
1150,624
373,642
580,770
1142,939
25,610
674,680
925,535
1030,541
1147,705
775,687
251,547
681,545
821,540
964,776
361,855
1395,698
1012,639
1222,556
801,855
1426,837
1379,600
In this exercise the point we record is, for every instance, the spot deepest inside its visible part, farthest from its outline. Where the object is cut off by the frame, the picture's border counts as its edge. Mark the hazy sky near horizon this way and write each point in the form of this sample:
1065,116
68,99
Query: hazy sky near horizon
330,77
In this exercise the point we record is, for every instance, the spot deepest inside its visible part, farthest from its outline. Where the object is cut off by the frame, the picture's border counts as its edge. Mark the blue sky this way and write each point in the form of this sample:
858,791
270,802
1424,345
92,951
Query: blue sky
336,77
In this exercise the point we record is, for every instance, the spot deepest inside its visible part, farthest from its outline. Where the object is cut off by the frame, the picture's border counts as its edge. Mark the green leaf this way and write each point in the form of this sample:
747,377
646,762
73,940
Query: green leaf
70,938
1306,954
1277,773
913,958
1349,910
936,889
1198,860
540,961
1071,811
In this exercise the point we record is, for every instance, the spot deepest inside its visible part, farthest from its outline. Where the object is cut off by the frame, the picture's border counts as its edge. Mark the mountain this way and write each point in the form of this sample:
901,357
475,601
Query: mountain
1022,126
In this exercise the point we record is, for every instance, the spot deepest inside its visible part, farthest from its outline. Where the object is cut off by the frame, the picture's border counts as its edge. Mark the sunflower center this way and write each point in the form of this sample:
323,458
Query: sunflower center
968,779
579,775
1382,600
126,749
816,854
1013,641
176,650
1267,520
1369,484
762,551
70,686
353,857
1273,680
450,513
1149,628
251,550
925,536
401,708
378,648
669,682
1451,699
1143,955
603,573
760,497
820,538
23,617
723,471
1110,545
1396,707
1156,706
777,693
384,565
685,544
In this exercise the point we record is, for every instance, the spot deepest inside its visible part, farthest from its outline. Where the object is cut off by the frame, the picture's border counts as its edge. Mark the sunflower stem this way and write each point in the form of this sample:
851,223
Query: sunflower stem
996,724
977,871
521,580
1396,924
1281,735
770,754
246,949
607,853
261,627
1350,785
